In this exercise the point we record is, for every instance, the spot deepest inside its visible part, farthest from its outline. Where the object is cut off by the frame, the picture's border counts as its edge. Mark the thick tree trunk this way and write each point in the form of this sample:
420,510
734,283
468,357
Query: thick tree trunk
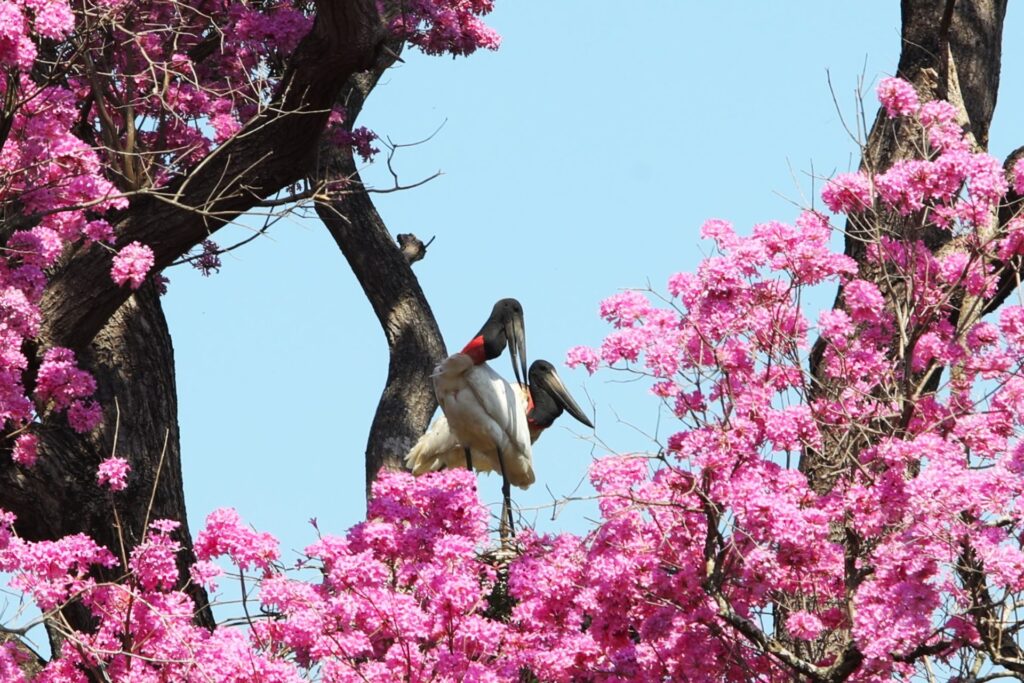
123,339
133,362
385,273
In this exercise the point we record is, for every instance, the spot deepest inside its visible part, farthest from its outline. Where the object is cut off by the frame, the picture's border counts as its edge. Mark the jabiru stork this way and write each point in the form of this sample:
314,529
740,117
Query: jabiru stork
480,406
538,405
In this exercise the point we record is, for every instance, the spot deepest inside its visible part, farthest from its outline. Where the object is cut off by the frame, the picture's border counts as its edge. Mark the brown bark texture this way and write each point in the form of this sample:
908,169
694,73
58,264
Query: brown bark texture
384,270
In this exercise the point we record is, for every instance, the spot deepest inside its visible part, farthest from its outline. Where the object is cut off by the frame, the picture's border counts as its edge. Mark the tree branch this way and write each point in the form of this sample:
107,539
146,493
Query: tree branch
273,150
385,273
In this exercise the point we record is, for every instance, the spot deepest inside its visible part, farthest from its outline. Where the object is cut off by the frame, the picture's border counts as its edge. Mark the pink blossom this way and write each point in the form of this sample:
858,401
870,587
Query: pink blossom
204,573
981,335
1018,176
60,381
439,26
863,301
1011,323
804,625
16,48
99,231
625,309
12,661
582,355
682,283
51,571
834,325
84,416
154,561
132,264
226,535
847,193
208,262
625,344
939,117
361,140
112,473
792,429
953,267
25,450
986,178
937,113
898,97
721,232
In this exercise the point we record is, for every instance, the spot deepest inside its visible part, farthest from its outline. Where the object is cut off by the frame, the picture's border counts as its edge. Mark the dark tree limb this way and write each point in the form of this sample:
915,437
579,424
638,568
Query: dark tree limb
385,274
999,642
273,150
1009,273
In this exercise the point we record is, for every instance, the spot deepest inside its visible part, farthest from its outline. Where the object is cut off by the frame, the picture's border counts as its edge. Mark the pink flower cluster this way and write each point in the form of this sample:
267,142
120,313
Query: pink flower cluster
112,473
715,559
446,26
741,532
208,262
63,386
132,264
933,183
898,97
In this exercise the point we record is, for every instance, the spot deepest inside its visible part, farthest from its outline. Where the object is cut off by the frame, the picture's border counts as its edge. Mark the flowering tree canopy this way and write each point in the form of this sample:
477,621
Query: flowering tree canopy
130,132
842,508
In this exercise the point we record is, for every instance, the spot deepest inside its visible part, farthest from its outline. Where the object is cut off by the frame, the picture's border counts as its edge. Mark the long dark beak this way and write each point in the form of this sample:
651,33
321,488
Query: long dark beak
515,333
555,387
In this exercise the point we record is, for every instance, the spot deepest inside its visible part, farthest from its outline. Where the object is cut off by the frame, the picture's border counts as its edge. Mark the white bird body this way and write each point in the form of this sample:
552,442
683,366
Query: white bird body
439,449
482,412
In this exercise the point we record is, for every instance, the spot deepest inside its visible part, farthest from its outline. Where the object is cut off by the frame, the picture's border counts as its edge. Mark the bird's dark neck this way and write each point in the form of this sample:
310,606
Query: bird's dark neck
545,410
488,343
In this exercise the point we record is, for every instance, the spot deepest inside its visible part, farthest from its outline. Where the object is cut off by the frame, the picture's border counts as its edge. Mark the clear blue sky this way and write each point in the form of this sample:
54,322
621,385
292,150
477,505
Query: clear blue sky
579,159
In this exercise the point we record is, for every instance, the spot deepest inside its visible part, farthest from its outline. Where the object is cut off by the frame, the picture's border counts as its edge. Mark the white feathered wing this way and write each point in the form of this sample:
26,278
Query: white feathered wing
483,411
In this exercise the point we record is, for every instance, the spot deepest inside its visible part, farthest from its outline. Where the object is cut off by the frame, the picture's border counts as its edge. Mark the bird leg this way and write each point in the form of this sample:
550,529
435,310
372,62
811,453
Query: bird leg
469,461
506,494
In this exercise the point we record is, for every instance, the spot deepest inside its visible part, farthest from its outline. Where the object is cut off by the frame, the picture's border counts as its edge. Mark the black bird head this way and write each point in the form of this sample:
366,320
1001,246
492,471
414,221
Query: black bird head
504,327
550,397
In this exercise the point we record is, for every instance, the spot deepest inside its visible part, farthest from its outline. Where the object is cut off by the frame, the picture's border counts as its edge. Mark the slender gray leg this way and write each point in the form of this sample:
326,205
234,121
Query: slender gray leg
469,461
506,493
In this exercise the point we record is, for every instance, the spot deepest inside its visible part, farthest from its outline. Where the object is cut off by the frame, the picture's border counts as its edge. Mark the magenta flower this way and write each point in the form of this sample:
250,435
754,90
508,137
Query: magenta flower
25,450
132,264
898,97
847,193
112,473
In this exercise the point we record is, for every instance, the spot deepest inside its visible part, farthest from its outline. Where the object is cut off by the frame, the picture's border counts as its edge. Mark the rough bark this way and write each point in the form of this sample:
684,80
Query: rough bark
132,360
385,274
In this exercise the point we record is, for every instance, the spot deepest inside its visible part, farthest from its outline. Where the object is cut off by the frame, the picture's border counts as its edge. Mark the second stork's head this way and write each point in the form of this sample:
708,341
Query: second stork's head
550,397
504,327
